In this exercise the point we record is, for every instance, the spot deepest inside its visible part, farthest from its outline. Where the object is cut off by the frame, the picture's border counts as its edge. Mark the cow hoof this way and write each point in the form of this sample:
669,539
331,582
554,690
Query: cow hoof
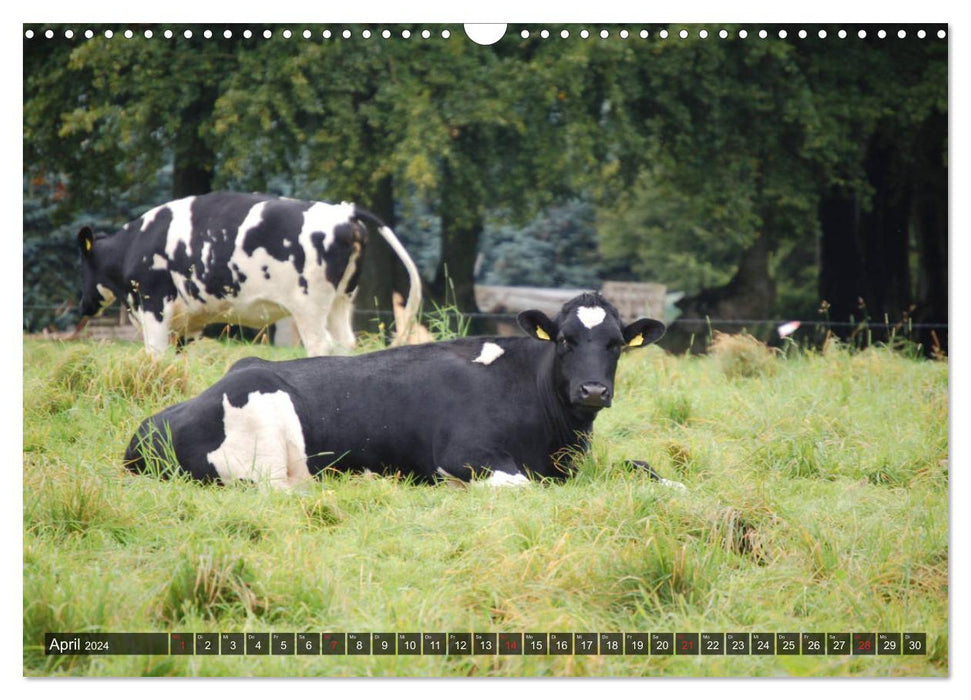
449,480
672,484
502,479
641,465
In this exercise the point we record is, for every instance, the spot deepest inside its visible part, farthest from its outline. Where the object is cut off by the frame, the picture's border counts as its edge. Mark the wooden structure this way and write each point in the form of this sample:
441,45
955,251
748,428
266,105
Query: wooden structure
636,300
112,326
633,300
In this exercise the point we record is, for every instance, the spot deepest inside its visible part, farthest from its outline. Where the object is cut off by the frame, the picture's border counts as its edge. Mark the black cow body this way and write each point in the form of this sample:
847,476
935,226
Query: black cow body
510,408
246,259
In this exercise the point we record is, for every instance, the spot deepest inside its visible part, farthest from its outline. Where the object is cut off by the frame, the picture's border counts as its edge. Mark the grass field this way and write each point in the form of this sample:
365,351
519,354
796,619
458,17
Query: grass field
816,502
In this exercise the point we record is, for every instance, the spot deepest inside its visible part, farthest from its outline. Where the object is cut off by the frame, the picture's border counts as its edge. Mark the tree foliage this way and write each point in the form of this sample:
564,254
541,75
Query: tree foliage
687,150
754,137
558,248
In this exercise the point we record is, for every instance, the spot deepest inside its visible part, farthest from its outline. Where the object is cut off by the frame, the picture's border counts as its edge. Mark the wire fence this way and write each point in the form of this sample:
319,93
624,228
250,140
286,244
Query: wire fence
511,317
381,314
704,322
695,335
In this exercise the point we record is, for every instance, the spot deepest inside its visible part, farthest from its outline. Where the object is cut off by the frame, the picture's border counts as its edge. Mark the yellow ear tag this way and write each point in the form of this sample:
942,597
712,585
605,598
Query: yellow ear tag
541,334
636,340
87,244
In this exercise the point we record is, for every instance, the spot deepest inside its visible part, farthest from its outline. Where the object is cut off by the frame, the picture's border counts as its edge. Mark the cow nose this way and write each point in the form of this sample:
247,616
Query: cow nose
594,394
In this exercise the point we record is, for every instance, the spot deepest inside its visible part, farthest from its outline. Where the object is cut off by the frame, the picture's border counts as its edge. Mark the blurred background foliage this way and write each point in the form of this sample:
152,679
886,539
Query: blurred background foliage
817,164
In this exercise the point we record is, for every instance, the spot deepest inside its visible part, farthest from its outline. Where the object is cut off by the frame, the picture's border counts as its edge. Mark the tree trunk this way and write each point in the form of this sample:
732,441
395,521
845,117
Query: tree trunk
382,271
455,277
930,220
462,223
840,258
194,158
864,252
749,295
192,169
885,231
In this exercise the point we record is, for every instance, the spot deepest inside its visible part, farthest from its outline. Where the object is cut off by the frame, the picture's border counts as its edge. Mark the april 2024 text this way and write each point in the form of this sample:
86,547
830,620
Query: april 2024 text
485,643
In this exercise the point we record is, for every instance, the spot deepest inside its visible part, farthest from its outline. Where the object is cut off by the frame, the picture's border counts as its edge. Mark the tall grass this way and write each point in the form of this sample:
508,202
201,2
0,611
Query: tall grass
816,501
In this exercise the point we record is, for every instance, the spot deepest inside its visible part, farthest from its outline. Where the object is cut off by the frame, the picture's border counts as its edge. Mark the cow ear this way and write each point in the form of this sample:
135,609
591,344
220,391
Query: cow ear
86,241
537,324
644,331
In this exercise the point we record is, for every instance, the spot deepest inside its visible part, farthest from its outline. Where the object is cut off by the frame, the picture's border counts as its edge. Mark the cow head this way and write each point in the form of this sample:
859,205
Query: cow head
588,336
96,292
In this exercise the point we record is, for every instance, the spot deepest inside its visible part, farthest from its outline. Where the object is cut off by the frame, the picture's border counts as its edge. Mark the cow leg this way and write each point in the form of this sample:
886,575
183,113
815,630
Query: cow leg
499,472
182,341
297,470
155,332
339,321
499,477
639,464
313,322
314,335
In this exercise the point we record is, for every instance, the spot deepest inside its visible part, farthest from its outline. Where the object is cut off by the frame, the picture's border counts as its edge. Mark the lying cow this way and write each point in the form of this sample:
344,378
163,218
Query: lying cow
246,259
501,409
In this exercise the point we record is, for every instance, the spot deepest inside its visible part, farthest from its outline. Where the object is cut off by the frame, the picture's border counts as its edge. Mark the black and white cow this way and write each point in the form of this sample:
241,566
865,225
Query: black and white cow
504,409
247,259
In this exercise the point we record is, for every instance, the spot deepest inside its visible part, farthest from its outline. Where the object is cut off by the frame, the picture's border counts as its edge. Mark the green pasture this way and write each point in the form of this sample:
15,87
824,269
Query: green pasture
816,501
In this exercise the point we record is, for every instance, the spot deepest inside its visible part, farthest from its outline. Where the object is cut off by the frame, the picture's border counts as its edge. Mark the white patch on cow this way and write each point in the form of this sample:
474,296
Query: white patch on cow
490,353
263,442
323,218
206,248
498,478
159,263
134,317
149,216
107,295
155,333
591,316
672,484
180,230
253,218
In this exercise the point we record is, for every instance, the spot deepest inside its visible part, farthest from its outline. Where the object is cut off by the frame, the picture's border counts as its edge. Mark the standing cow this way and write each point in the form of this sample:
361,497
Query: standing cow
247,259
501,408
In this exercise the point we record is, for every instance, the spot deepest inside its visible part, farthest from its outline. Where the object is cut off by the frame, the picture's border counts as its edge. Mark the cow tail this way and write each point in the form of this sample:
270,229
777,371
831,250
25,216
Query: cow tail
414,280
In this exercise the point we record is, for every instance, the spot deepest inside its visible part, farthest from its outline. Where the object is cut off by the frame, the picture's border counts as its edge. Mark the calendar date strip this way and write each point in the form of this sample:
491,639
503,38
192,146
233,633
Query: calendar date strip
486,643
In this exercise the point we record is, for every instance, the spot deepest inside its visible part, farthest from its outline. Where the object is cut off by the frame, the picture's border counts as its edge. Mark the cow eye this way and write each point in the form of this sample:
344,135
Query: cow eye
567,342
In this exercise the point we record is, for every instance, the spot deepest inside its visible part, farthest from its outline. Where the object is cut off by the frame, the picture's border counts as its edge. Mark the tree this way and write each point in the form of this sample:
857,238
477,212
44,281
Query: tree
725,175
825,164
556,249
799,143
886,195
386,122
108,113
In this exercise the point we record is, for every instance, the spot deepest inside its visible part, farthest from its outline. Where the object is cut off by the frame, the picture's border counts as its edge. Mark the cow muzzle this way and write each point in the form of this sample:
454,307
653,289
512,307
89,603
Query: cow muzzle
594,395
